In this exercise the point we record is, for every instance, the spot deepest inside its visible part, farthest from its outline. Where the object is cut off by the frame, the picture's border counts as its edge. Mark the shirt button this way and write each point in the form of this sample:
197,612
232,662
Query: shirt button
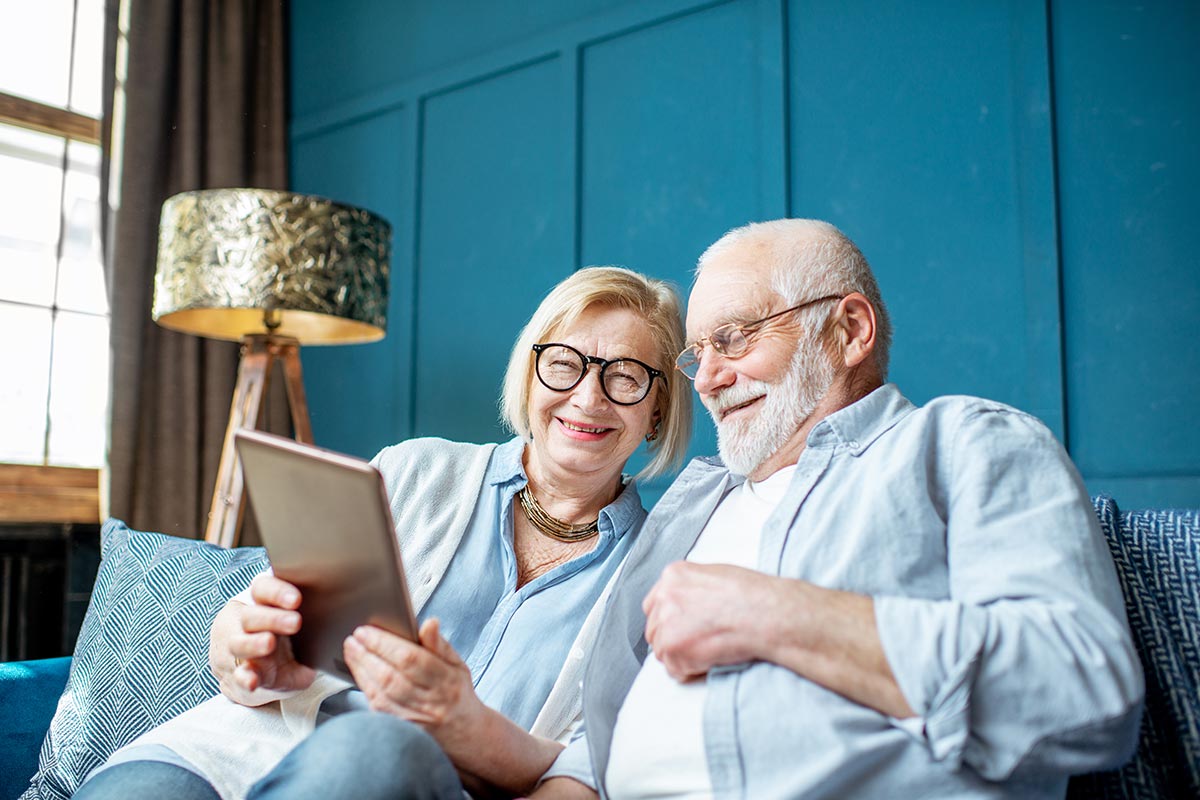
852,444
577,653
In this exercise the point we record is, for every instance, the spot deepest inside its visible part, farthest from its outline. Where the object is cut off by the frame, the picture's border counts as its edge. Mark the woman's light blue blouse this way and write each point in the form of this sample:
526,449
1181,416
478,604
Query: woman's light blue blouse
516,640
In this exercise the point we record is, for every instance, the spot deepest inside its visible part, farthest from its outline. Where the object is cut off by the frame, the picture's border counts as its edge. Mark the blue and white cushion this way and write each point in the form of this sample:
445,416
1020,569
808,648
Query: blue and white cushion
1157,554
142,653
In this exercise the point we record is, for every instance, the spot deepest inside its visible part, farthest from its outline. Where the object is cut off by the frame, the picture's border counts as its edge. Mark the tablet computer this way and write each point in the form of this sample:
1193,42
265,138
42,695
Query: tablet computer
327,526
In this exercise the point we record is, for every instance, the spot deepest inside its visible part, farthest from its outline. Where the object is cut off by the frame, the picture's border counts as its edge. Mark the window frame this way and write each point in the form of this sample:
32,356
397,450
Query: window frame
44,492
35,116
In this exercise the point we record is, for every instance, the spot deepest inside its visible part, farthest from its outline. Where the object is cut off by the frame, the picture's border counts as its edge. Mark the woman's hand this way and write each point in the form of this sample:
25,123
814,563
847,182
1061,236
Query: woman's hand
426,683
249,651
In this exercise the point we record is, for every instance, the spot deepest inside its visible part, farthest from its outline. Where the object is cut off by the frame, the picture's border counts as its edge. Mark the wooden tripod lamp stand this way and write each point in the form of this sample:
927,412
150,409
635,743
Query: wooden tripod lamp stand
273,270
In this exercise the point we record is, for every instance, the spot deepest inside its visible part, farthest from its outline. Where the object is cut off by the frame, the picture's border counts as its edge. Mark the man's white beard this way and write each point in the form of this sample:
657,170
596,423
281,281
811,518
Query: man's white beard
745,444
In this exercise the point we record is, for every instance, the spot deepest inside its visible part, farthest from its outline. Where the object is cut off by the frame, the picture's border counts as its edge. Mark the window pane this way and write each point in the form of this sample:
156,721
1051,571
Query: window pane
25,365
81,273
31,174
89,45
79,390
35,50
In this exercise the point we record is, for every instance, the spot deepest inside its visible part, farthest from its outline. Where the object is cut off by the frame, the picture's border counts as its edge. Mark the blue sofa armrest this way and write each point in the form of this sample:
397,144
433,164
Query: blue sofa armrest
29,692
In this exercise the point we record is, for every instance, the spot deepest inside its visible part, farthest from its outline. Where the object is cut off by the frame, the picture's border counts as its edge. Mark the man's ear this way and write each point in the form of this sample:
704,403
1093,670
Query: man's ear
854,329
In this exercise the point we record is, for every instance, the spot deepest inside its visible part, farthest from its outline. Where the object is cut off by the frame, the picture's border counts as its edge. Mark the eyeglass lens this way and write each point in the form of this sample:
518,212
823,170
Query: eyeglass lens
728,340
561,368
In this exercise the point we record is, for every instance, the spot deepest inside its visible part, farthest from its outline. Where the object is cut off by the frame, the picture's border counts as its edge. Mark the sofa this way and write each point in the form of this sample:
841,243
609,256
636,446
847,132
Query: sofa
141,656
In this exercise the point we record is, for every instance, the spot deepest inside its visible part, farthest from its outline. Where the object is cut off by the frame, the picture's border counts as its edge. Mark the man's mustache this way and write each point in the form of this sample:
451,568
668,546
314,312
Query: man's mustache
718,404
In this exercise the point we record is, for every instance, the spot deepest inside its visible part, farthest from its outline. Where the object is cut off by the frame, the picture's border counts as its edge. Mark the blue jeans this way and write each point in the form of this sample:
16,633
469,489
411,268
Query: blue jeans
132,779
356,755
367,755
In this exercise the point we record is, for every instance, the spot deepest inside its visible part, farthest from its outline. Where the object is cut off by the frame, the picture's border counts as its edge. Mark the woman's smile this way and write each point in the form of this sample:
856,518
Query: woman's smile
582,431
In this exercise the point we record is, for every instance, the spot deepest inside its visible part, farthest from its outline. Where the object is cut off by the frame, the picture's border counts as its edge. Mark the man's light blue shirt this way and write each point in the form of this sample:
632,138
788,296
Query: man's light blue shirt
995,599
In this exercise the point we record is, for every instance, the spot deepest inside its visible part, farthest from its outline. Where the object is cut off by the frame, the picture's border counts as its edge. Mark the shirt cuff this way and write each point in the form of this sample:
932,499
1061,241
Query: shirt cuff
575,761
933,651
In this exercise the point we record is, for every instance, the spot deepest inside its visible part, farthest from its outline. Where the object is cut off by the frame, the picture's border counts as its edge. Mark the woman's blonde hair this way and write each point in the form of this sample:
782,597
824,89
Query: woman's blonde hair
658,304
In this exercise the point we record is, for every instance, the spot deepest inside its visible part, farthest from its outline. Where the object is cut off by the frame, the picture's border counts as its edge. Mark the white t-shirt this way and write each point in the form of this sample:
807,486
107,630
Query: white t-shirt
658,741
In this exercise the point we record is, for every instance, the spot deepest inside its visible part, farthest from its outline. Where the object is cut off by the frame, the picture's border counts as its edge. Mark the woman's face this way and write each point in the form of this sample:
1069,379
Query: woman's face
580,431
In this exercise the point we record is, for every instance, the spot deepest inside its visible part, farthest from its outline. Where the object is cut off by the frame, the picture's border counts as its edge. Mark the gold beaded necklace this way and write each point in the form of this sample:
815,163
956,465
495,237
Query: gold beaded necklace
554,527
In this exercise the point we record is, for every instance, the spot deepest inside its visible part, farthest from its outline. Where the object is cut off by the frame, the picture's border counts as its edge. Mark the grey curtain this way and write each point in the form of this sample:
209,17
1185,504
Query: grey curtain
205,107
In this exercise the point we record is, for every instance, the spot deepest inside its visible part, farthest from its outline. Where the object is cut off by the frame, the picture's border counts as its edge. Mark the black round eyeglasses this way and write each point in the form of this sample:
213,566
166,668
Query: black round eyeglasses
625,381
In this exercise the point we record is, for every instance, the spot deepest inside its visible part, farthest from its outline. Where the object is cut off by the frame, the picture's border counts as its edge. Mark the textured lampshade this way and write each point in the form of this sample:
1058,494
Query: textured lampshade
233,262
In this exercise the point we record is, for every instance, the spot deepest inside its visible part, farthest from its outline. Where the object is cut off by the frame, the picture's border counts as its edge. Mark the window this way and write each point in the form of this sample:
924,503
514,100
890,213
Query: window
54,316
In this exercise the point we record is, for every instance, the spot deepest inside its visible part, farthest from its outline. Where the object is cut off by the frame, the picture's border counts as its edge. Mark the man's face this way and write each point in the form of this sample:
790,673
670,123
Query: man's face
761,399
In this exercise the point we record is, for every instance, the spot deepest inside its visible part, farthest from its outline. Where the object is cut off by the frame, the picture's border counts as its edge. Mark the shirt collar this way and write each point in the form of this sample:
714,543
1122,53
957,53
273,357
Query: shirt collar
621,515
859,424
506,463
626,512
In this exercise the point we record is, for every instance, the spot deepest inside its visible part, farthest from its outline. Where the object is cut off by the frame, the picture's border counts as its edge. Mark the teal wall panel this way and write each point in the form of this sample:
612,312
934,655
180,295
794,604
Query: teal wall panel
923,130
358,395
671,152
349,48
1021,175
1128,108
494,237
670,158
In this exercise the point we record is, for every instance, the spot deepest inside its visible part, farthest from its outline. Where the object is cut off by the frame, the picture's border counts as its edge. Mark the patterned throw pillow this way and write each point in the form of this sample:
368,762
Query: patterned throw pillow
1157,555
142,653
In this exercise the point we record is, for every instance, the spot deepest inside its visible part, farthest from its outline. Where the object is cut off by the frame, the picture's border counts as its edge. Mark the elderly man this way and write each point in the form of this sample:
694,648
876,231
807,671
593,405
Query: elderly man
863,598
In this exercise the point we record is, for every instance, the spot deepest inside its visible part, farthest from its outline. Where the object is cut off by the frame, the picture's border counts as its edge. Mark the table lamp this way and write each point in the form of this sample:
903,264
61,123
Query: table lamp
273,270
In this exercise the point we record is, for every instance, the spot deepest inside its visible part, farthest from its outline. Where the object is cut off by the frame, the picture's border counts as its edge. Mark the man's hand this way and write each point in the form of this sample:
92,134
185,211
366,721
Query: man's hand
249,649
426,683
699,616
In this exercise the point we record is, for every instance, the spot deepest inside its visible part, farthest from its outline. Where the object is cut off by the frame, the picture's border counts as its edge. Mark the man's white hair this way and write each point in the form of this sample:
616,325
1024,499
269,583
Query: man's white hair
810,258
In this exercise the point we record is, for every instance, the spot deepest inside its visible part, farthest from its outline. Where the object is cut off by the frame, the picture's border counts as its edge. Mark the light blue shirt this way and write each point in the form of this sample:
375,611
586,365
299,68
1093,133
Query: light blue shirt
516,640
995,598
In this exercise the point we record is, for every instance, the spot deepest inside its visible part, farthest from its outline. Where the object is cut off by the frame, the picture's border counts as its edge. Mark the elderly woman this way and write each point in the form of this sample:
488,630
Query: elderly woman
508,548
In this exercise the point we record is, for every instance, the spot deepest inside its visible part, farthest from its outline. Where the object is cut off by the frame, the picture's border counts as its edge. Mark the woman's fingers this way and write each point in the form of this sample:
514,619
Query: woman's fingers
260,647
396,652
258,638
432,640
275,669
254,646
257,619
426,684
247,676
249,648
268,590
386,687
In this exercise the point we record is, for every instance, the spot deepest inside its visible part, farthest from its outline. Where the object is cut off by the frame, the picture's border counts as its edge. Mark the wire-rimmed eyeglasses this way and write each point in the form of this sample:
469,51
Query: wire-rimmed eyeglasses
625,381
732,340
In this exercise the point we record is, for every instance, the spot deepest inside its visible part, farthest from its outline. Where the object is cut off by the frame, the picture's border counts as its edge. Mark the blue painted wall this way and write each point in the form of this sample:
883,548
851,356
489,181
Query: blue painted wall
1021,175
